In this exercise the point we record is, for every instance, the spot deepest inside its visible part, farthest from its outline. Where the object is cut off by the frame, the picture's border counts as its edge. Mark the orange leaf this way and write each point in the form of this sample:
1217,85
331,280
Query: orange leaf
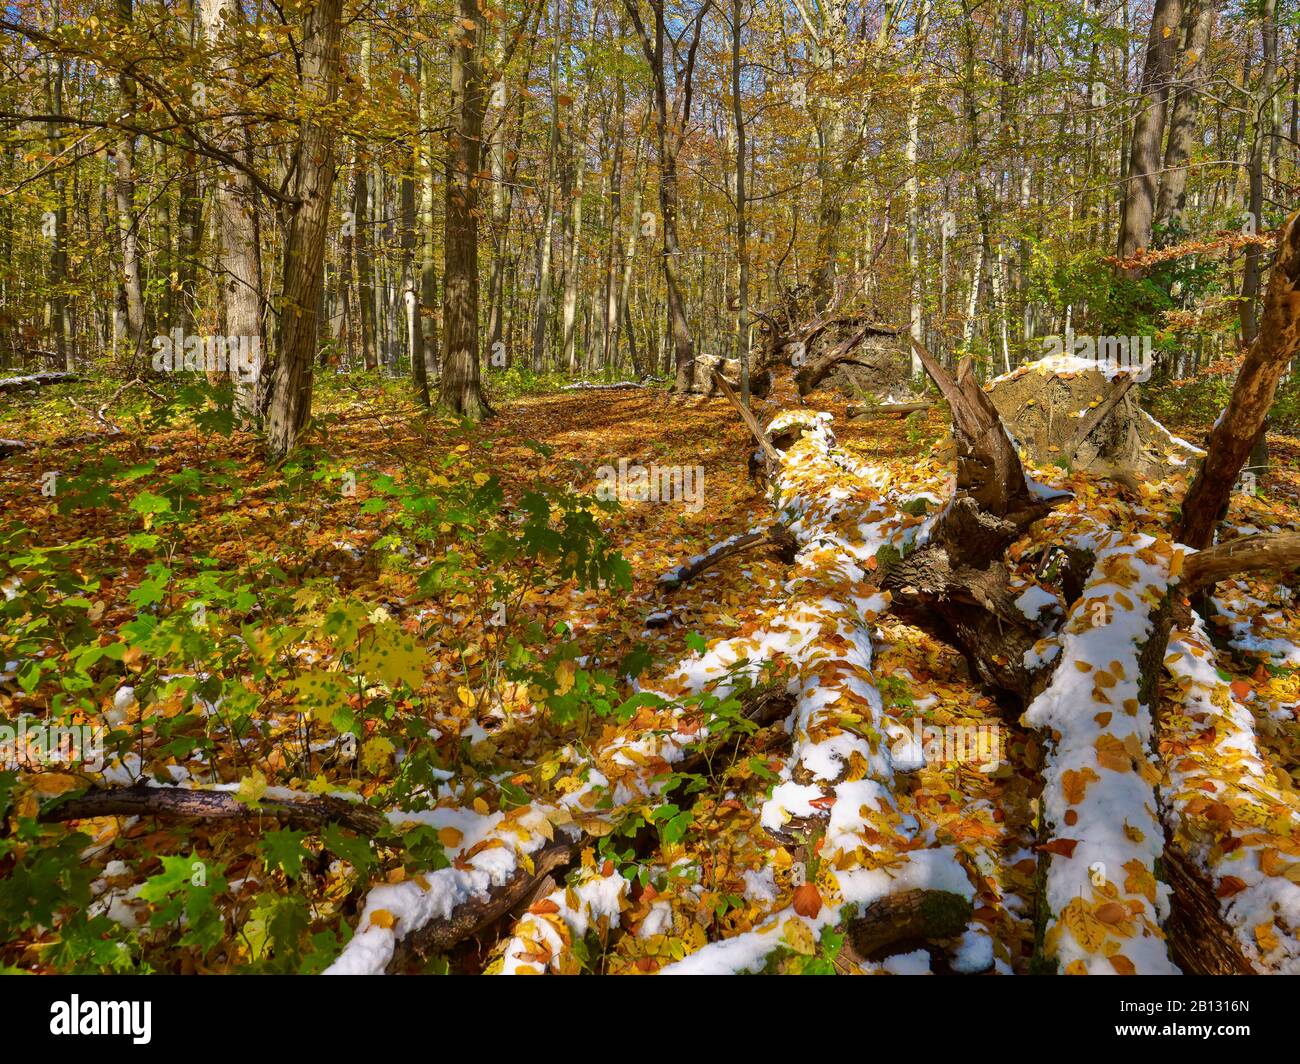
807,901
1228,886
1111,913
1060,847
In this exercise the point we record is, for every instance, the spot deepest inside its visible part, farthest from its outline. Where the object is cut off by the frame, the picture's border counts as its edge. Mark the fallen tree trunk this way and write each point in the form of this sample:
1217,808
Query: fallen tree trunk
1262,552
309,810
446,906
909,916
868,413
37,380
959,577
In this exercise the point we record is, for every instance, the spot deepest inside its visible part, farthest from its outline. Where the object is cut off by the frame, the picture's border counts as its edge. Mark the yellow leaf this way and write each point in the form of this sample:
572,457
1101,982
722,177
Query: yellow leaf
251,788
481,807
1266,937
449,836
375,753
1087,930
382,918
797,936
1111,754
564,677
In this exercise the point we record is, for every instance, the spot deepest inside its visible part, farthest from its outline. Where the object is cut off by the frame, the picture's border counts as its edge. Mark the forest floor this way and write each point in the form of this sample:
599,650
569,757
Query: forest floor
138,521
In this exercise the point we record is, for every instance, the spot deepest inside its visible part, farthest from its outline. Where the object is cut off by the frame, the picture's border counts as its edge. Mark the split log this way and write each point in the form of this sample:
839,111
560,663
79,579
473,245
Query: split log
1235,433
479,913
988,467
308,810
958,583
1200,939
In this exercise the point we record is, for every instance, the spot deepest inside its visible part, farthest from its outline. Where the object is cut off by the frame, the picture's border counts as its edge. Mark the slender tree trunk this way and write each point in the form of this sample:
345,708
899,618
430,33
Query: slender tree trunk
916,321
1148,130
127,220
573,267
742,221
429,308
411,283
1262,133
304,253
542,308
461,391
57,228
1198,20
615,215
238,269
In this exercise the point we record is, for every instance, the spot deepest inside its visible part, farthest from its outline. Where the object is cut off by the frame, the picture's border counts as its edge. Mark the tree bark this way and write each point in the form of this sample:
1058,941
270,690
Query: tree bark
1199,22
304,253
1148,130
127,220
1262,130
461,391
238,268
1234,434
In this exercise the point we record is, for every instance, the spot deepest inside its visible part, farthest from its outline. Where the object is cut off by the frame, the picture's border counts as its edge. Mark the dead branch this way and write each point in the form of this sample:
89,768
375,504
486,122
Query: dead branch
308,810
778,536
869,413
1279,553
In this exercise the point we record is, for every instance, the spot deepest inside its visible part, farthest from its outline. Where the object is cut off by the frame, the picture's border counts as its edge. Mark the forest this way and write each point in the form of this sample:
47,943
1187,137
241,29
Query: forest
649,486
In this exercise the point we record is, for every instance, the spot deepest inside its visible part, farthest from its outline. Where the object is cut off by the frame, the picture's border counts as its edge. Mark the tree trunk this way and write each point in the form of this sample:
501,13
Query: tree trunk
127,221
304,252
1262,129
238,268
1148,130
742,221
1235,432
1199,22
461,391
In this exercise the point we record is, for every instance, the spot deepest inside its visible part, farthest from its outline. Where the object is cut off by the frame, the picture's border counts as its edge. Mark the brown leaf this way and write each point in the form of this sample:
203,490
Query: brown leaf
1060,847
808,900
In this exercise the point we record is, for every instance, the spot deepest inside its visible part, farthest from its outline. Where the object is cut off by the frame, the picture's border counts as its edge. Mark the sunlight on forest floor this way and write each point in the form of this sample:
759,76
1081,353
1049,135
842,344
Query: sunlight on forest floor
708,876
